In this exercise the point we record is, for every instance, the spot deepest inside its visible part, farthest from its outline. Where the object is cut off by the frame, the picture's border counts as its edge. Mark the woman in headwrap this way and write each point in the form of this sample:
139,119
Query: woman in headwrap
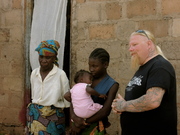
49,83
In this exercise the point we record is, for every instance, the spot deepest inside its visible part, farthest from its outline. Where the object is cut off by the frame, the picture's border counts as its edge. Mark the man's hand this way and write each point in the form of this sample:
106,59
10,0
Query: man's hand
118,104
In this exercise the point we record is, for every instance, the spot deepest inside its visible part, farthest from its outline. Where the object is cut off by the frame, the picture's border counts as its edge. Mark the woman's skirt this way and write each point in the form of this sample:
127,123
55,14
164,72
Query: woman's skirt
45,120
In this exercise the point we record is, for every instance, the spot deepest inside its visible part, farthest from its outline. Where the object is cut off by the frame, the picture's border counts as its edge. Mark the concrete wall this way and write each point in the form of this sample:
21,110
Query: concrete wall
108,24
12,63
94,23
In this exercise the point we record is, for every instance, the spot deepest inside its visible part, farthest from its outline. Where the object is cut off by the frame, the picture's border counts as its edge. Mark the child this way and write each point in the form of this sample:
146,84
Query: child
80,95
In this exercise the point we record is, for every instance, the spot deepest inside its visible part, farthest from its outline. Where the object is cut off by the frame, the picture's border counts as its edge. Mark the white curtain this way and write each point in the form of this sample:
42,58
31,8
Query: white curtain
48,22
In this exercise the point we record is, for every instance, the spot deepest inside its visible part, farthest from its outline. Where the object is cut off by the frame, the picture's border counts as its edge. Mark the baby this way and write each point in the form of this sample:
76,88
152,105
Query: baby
80,95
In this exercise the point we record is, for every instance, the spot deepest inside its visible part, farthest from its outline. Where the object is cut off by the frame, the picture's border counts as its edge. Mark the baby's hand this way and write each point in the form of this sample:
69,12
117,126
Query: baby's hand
102,96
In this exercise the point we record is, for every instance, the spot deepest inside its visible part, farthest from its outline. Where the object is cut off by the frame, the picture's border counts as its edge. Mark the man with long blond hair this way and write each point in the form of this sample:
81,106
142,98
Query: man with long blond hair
149,106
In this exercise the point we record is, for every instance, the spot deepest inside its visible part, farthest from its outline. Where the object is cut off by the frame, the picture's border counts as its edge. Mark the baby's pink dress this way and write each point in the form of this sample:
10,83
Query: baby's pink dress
83,104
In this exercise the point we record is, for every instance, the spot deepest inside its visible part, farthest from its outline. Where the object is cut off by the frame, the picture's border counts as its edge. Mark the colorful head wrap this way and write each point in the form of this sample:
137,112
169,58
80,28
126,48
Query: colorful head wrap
48,48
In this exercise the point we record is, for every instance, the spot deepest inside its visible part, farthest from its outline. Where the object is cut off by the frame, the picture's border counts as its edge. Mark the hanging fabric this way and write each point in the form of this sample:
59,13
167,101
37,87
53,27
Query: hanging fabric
48,22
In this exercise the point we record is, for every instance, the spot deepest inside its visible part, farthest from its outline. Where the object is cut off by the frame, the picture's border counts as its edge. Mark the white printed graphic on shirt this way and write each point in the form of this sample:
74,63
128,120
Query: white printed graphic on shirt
135,81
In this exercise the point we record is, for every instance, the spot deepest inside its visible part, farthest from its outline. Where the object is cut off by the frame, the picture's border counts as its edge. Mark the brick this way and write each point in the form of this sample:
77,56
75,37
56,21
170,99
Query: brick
114,49
82,35
115,125
11,67
16,99
13,17
16,4
80,1
178,99
125,71
178,127
12,51
12,83
18,130
113,11
171,49
141,8
1,78
175,31
15,69
88,12
4,35
80,53
176,64
5,132
5,5
4,69
158,27
97,0
170,7
124,29
12,130
10,115
4,99
102,31
1,118
114,62
16,37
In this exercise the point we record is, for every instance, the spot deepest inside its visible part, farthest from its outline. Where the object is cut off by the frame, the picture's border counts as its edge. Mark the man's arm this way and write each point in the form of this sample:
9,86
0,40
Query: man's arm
151,100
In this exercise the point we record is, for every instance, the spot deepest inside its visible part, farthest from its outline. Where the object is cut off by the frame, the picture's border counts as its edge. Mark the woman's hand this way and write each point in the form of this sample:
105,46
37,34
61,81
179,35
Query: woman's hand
102,96
74,130
77,123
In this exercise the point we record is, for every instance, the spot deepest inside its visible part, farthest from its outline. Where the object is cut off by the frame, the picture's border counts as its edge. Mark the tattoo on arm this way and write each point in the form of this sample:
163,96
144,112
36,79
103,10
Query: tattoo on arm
151,100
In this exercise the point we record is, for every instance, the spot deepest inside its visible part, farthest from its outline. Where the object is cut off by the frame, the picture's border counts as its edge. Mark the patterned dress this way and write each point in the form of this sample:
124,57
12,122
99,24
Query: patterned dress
45,120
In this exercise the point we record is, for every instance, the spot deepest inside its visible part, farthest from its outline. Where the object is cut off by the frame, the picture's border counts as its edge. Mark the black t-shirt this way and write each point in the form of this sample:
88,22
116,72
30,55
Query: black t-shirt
157,72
